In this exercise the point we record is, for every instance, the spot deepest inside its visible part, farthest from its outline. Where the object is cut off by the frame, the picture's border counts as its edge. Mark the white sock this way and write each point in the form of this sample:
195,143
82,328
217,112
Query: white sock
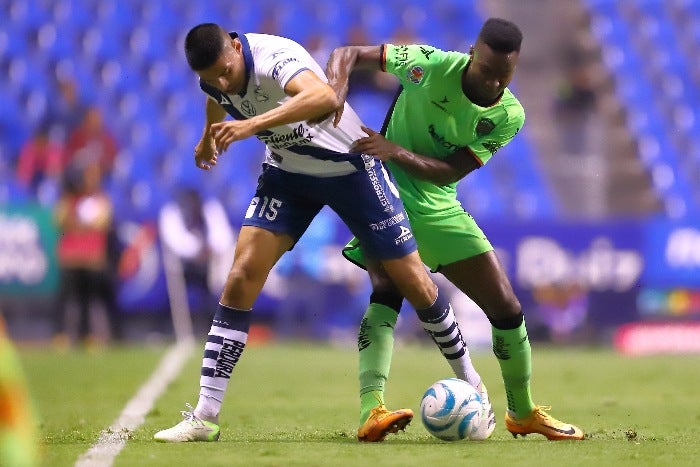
440,322
225,343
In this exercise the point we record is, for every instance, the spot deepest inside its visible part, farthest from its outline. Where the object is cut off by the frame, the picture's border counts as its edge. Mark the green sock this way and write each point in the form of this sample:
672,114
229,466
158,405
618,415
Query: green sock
512,349
375,343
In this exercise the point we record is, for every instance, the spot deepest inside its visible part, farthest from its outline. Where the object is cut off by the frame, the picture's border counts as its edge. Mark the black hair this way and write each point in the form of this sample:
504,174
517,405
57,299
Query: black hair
501,35
203,45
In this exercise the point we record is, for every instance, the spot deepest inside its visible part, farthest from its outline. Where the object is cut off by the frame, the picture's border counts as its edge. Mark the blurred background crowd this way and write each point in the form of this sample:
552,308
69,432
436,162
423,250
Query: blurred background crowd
107,228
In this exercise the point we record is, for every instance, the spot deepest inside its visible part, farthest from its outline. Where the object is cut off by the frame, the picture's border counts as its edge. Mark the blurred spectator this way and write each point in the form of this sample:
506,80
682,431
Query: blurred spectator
574,105
39,165
198,233
66,110
91,142
319,46
84,217
11,190
561,309
363,80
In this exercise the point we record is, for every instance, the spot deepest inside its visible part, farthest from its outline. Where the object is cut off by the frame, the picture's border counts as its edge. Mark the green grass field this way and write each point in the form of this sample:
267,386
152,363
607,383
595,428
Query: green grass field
297,405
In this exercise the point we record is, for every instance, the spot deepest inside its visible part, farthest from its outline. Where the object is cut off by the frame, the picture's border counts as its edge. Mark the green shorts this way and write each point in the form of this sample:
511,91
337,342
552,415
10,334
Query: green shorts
442,239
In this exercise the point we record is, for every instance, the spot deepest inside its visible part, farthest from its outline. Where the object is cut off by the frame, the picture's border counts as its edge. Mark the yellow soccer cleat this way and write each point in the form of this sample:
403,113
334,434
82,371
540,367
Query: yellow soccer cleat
541,422
381,422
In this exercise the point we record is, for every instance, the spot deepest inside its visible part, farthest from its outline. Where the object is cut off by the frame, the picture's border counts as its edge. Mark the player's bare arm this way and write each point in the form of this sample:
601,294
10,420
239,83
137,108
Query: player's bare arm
310,99
341,63
205,150
438,171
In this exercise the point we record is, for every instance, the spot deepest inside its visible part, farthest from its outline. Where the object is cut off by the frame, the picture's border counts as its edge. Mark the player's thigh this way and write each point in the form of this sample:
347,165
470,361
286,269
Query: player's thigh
483,279
258,250
447,237
368,203
411,278
281,203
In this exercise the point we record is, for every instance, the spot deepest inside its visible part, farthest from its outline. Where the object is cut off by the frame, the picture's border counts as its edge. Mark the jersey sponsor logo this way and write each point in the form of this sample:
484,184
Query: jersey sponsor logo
248,108
224,100
444,100
404,236
484,127
383,224
440,140
376,186
415,74
299,135
281,64
426,51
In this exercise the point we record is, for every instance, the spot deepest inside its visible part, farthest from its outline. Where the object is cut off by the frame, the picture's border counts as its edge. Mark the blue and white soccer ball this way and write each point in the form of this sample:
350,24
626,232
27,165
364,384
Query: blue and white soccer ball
451,409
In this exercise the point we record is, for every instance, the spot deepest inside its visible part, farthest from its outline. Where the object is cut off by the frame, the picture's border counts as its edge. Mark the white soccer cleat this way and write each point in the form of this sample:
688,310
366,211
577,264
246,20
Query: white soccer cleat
488,417
192,428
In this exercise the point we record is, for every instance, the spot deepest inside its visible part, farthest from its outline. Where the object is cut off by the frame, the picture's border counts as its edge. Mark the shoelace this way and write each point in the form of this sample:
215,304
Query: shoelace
190,416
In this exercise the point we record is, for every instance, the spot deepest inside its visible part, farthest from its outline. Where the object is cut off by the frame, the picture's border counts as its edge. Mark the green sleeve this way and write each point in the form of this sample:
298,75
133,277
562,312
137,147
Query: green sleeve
412,63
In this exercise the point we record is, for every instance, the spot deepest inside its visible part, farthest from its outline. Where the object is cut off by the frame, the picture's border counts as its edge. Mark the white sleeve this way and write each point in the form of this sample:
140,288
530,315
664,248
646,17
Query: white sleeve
283,65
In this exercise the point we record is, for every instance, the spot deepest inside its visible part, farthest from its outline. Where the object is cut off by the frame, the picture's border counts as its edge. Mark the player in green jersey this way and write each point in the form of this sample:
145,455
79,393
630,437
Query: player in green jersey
453,112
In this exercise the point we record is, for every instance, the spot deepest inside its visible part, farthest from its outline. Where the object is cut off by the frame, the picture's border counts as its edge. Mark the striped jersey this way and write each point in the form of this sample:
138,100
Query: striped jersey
319,150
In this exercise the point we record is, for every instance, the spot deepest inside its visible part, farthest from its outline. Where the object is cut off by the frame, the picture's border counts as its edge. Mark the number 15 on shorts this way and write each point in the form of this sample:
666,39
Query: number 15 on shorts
263,207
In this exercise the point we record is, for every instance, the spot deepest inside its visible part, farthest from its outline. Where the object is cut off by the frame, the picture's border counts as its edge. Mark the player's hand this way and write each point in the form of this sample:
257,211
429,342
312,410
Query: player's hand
205,154
375,145
225,133
342,94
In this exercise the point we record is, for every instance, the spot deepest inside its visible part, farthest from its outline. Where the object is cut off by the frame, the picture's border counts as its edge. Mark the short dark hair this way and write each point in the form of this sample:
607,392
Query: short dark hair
501,35
203,45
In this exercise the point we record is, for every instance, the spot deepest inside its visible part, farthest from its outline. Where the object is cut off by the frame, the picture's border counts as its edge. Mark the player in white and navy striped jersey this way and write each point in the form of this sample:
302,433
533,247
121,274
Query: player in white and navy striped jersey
278,93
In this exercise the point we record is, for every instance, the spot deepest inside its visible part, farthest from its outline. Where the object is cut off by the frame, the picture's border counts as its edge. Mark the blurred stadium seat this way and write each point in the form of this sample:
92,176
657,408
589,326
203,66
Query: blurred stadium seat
127,57
647,46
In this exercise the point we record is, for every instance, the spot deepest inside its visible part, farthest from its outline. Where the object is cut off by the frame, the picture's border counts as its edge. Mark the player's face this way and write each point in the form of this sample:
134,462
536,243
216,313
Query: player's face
227,74
489,73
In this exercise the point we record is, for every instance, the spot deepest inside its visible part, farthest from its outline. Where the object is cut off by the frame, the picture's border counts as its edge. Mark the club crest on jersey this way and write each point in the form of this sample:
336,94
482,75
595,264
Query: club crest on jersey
415,74
484,127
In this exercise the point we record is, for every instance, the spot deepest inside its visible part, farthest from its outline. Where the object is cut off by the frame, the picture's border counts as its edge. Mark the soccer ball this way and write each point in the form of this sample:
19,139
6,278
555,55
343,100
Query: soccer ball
451,409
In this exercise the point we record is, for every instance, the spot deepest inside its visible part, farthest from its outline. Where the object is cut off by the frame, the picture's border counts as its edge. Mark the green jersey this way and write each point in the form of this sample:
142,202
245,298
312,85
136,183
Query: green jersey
434,118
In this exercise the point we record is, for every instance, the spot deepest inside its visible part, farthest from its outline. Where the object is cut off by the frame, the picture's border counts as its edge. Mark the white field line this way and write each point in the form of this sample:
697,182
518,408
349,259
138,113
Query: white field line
113,439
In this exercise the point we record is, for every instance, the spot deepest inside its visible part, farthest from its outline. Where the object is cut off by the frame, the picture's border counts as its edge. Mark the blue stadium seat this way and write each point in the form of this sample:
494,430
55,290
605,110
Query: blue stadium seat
127,57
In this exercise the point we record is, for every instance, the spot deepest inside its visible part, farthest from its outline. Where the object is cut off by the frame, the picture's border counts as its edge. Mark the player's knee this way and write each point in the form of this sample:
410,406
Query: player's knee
505,313
389,297
240,279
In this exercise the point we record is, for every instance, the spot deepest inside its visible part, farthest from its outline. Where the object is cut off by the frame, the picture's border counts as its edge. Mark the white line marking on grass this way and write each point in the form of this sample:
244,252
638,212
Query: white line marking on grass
113,439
